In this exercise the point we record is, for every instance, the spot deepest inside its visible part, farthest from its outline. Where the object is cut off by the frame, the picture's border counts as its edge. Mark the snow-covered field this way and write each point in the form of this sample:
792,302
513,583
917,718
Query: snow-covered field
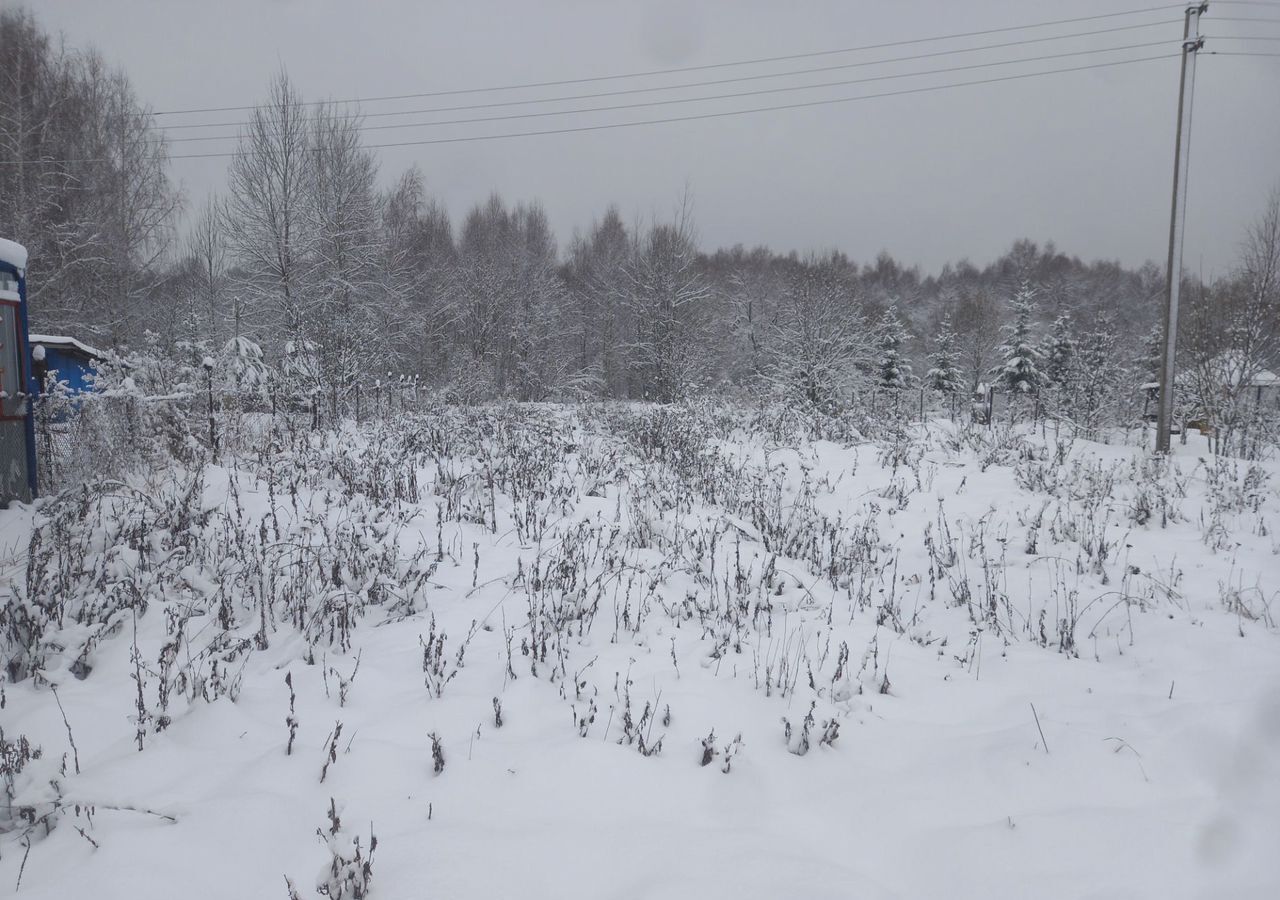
640,652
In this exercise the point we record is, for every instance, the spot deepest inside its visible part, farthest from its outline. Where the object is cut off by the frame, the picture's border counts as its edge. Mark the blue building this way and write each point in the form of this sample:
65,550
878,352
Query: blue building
17,384
73,361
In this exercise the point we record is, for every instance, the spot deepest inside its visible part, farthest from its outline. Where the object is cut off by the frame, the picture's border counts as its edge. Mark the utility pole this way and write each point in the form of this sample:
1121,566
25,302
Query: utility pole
1191,43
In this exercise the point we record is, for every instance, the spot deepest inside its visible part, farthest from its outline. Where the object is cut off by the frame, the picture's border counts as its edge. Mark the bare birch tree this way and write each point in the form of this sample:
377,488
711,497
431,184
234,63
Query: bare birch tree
1233,337
85,184
265,214
818,346
666,292
206,251
343,285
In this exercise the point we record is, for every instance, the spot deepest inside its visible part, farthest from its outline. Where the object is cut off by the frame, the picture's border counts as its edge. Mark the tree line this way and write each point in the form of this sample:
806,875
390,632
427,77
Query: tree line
306,260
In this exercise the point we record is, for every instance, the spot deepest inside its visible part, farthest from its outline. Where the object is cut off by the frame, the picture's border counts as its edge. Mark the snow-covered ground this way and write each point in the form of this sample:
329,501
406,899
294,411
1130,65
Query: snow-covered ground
728,661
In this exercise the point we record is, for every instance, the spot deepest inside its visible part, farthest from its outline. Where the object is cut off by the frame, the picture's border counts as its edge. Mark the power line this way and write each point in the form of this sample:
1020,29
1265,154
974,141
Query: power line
725,96
693,84
663,121
724,114
699,68
1236,53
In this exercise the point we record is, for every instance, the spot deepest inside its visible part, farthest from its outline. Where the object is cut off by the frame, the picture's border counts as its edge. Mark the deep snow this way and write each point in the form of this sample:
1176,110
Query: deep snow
1147,768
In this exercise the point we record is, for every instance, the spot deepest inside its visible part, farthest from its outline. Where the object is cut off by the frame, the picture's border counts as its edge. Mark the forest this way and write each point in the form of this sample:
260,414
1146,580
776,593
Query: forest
339,284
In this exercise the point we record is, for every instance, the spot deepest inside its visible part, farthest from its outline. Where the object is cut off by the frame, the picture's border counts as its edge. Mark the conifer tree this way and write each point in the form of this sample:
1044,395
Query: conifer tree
895,372
1019,370
1097,382
944,375
1059,351
1151,354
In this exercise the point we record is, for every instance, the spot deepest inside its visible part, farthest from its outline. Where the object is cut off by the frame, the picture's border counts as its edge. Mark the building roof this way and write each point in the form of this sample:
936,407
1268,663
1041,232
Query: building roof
1229,367
62,342
1222,366
13,253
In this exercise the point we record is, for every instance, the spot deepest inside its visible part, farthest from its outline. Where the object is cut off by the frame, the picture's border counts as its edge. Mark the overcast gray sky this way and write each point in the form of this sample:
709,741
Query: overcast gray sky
1083,158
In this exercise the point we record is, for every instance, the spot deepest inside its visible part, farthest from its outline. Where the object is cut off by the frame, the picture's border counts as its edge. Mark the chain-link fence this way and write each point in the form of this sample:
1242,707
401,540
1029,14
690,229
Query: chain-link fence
91,435
106,434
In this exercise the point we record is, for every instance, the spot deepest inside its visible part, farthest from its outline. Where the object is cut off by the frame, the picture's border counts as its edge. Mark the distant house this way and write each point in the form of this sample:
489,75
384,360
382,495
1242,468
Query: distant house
1260,389
1227,369
73,361
1266,388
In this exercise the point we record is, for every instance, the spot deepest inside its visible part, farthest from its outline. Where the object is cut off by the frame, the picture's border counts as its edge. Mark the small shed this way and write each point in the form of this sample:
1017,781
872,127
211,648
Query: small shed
73,361
1262,388
1266,385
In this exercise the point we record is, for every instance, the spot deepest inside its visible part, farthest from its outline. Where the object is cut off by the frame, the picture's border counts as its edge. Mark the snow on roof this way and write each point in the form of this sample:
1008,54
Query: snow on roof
13,253
1264,378
1230,368
66,343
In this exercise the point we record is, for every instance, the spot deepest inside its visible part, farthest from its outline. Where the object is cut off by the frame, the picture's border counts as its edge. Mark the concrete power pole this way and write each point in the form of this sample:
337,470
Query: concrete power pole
1191,43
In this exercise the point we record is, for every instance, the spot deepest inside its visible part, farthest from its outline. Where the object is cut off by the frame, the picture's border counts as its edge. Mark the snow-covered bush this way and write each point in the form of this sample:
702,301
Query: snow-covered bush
349,871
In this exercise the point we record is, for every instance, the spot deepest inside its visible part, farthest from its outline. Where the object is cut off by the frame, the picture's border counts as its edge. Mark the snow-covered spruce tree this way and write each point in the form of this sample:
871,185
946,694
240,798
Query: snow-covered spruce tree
1097,384
1018,372
894,371
1150,355
241,371
241,382
1143,393
944,375
1058,350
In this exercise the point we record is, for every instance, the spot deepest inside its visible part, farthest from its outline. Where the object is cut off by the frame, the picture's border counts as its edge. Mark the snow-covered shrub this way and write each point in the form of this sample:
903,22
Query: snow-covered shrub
1158,490
800,740
349,871
62,459
109,550
732,751
782,423
471,382
20,808
1230,491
